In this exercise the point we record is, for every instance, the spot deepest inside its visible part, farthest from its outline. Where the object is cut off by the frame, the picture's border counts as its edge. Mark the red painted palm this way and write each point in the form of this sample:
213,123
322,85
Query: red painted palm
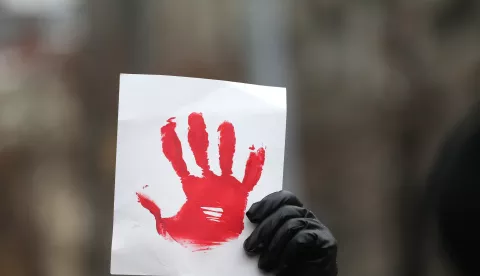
214,210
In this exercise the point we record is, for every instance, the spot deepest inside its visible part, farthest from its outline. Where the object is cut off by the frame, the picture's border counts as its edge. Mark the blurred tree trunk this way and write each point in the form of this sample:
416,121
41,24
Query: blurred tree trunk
94,75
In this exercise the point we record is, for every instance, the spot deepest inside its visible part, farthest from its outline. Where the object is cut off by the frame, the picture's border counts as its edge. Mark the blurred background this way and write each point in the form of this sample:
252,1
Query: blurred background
372,88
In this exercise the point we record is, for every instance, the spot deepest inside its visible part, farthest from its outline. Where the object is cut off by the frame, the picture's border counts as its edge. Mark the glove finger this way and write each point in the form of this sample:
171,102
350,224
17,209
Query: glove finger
271,257
263,234
268,205
309,250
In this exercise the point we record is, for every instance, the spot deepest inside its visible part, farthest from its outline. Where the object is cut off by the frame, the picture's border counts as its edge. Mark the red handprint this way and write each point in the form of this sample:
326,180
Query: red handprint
214,210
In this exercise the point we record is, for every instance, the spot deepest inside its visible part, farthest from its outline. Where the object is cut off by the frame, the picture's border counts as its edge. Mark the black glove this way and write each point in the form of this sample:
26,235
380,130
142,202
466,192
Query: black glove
290,239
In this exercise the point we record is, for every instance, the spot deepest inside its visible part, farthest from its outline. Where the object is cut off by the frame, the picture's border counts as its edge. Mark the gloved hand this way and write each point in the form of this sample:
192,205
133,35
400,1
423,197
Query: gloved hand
290,239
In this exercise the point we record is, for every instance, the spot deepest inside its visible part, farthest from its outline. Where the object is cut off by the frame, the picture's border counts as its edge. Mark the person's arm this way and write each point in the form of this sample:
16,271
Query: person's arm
290,239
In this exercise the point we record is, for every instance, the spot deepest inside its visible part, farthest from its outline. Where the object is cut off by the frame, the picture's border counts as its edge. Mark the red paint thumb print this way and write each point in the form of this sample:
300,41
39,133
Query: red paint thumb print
214,210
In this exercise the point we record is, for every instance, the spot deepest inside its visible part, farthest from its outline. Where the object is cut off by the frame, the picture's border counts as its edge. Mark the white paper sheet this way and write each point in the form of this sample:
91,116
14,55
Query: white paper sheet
203,234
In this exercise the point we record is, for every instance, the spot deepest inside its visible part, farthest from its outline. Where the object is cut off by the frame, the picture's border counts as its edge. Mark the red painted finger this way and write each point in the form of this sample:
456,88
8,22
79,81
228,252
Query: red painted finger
198,140
226,147
151,206
172,148
254,168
